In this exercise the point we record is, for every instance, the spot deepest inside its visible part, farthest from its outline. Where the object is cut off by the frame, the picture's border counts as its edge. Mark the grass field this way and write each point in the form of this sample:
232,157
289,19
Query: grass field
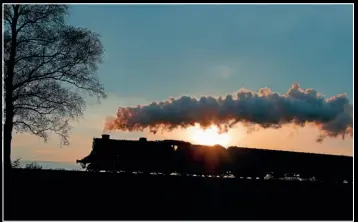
75,195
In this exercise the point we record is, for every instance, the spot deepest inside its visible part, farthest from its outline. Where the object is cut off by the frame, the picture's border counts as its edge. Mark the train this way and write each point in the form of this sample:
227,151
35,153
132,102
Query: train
172,156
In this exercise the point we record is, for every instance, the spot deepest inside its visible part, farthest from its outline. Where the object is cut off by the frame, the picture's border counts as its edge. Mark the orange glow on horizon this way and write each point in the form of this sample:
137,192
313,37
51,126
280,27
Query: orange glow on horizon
209,136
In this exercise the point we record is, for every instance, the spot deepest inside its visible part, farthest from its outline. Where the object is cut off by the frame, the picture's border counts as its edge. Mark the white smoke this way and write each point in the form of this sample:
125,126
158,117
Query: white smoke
267,109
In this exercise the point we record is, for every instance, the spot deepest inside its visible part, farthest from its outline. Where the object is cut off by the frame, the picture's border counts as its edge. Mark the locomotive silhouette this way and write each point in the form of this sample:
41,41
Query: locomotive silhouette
172,156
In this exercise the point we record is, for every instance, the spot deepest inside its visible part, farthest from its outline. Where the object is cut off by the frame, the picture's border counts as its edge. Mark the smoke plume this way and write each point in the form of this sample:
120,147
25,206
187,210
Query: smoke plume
266,109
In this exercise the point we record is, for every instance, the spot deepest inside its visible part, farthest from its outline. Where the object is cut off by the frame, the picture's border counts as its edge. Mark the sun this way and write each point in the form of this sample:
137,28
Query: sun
209,136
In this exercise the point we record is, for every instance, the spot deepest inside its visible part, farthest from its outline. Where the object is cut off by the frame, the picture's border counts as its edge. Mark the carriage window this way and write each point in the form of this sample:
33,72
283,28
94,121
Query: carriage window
175,147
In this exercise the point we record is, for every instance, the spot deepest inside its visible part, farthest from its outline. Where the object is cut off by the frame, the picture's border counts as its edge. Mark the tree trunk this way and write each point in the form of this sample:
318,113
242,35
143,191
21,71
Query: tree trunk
9,197
7,143
9,89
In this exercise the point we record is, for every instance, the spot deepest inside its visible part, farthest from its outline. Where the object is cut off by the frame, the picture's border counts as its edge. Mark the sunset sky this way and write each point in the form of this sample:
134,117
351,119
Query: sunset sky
154,52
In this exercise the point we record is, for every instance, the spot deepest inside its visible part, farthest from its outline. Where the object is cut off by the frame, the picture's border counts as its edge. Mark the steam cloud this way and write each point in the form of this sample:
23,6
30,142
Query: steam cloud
333,116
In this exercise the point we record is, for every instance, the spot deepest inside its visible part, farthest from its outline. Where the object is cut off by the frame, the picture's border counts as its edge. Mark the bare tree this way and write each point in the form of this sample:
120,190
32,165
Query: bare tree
49,67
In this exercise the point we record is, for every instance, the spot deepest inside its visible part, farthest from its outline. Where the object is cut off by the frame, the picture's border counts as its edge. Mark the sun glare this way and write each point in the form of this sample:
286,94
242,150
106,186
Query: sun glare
209,136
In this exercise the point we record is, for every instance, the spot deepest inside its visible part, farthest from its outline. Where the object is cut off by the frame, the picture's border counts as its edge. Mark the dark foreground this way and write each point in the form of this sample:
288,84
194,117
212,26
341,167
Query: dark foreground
71,195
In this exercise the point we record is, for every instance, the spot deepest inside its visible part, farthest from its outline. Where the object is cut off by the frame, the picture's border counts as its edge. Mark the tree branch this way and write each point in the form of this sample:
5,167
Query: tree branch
31,22
36,109
28,127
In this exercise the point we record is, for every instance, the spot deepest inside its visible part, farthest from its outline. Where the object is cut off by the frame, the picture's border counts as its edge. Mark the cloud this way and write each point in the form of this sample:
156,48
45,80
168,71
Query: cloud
262,109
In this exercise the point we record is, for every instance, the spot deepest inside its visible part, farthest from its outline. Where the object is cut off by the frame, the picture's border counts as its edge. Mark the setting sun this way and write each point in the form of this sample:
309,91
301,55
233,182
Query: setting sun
209,136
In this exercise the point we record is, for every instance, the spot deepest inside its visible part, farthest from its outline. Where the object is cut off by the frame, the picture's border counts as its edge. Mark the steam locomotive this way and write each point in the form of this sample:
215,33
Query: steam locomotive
169,156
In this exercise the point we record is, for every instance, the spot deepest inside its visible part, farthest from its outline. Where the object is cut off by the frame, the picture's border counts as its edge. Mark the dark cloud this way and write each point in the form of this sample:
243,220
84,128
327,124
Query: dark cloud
333,116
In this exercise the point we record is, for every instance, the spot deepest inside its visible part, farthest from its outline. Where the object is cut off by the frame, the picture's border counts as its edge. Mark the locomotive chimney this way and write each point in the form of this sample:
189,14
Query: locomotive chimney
105,136
142,139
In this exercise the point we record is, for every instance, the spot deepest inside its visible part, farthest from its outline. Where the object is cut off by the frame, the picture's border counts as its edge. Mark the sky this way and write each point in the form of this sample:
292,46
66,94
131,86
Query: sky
154,52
